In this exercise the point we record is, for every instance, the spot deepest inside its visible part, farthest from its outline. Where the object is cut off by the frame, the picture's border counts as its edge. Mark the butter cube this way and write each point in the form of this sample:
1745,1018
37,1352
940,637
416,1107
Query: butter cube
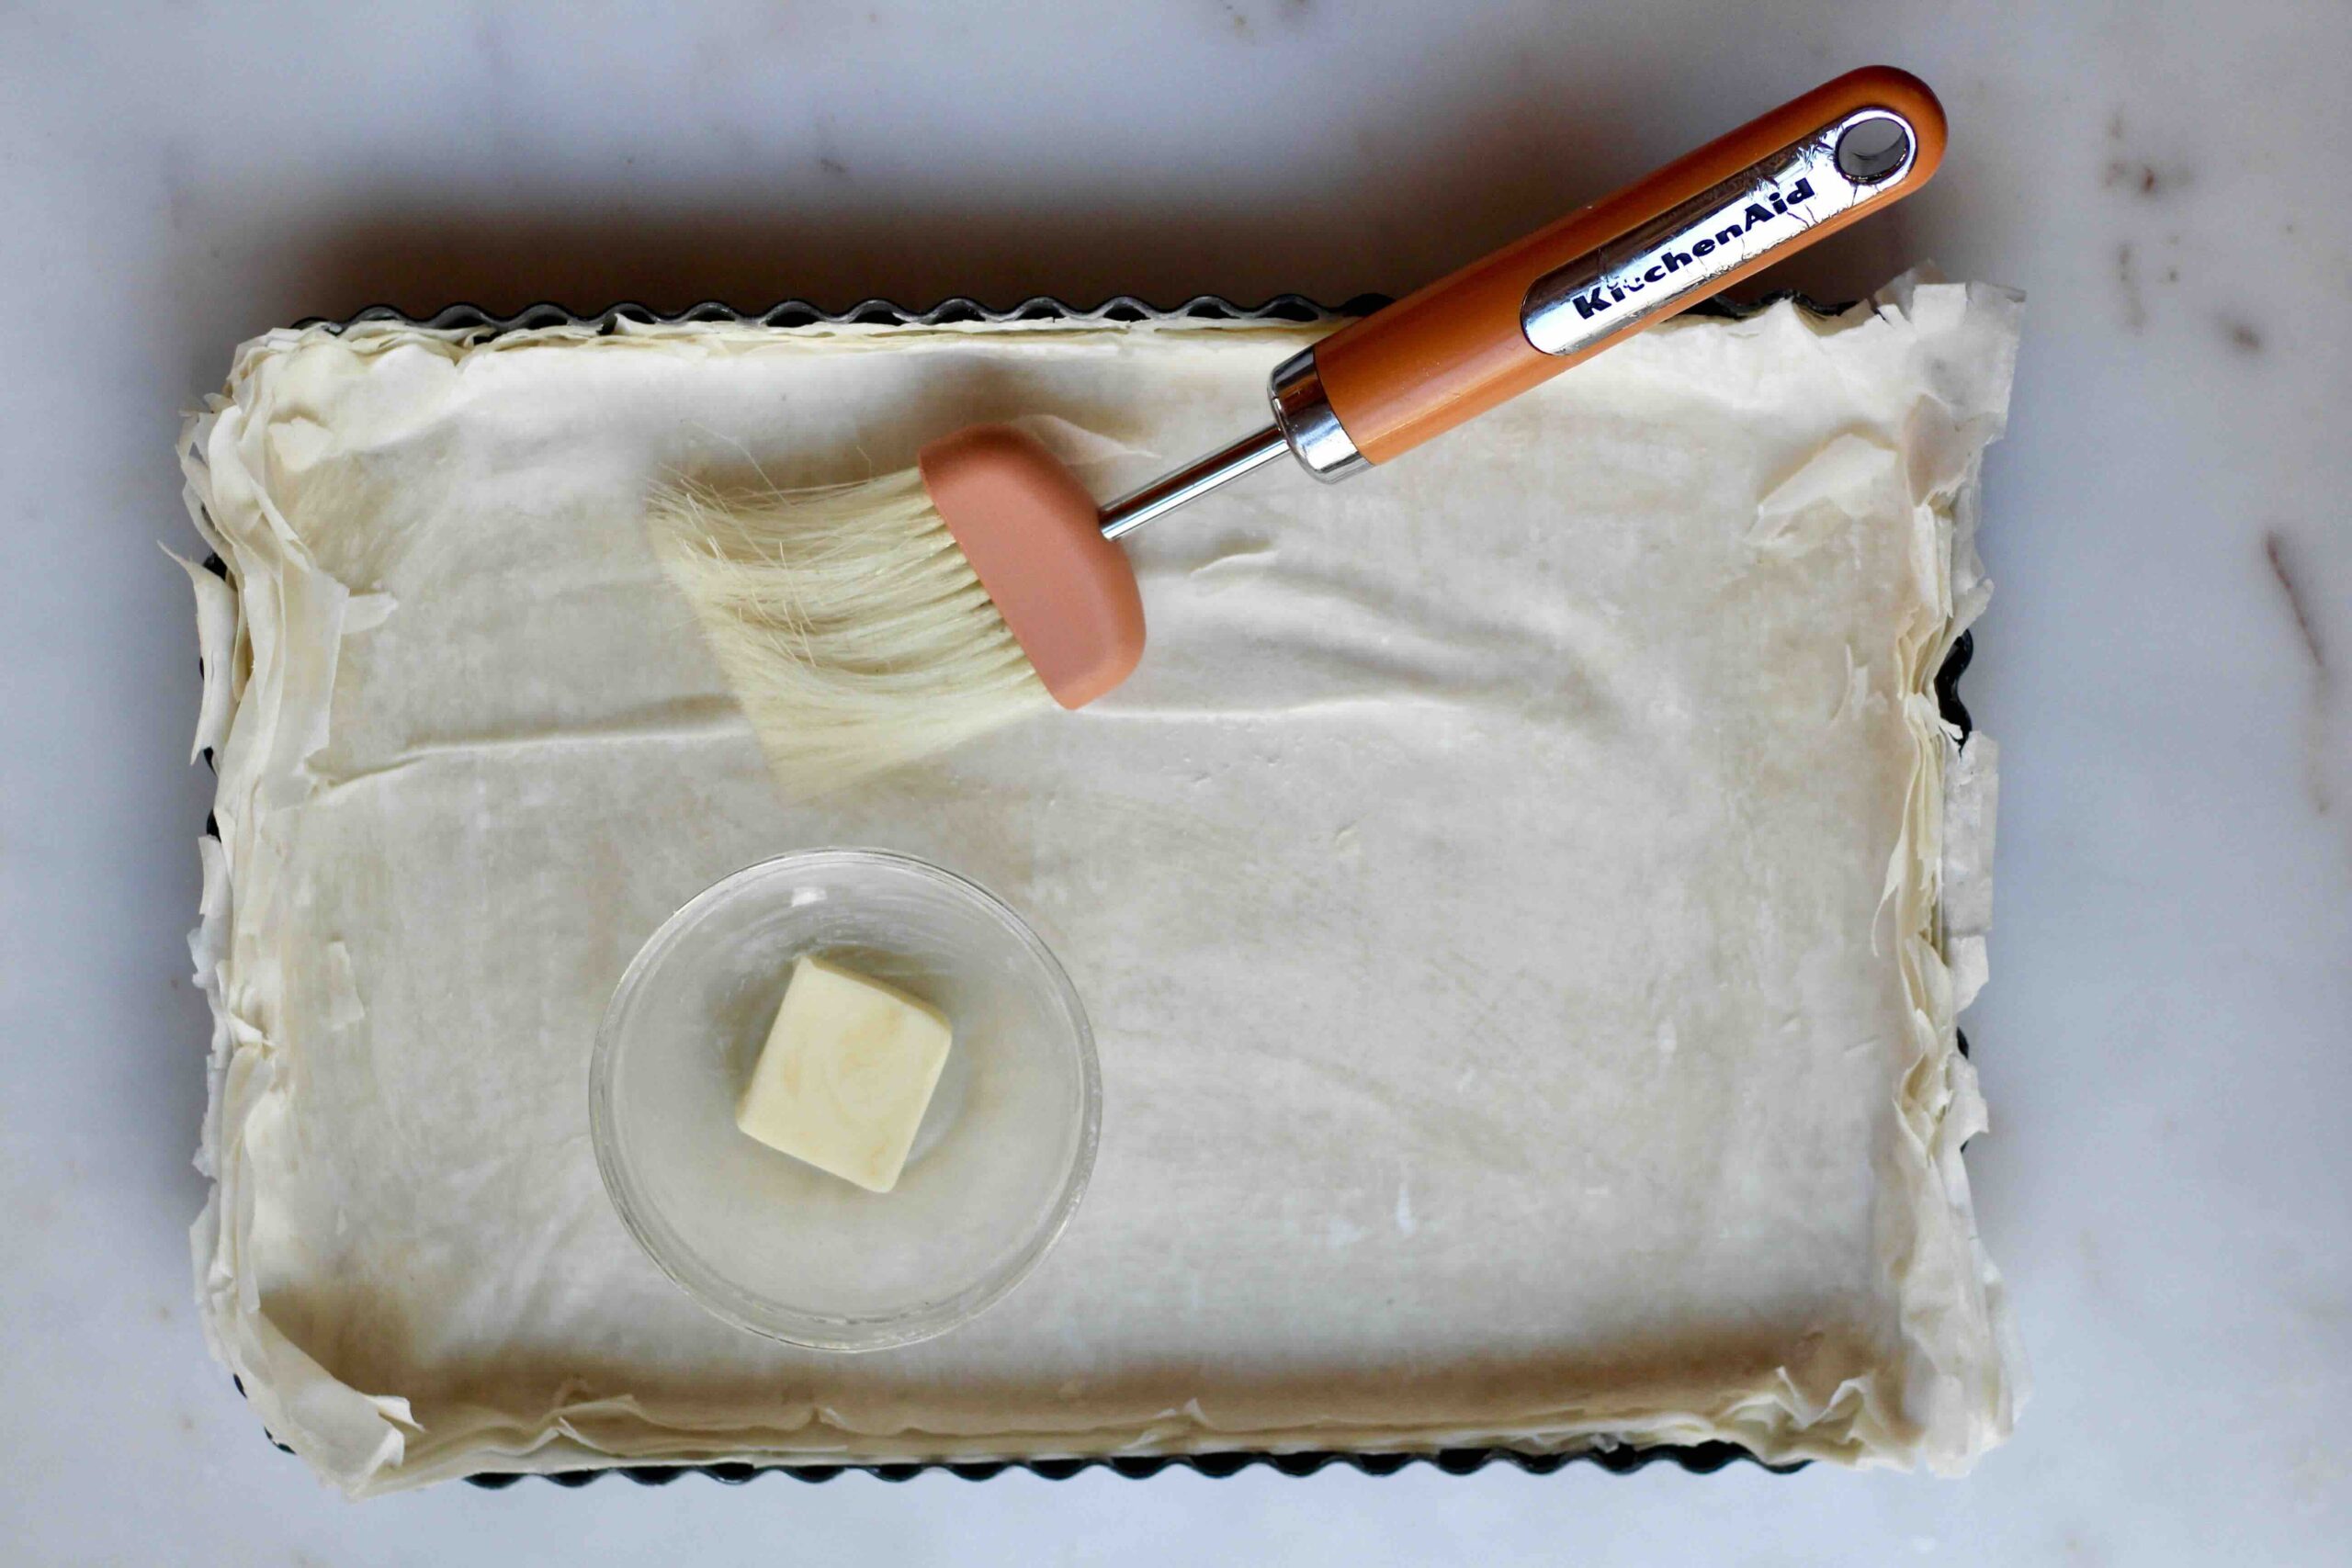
846,1073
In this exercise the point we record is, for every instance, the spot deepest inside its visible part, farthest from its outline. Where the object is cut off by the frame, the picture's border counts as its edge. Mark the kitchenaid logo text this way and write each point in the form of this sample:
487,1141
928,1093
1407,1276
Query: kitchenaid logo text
1617,289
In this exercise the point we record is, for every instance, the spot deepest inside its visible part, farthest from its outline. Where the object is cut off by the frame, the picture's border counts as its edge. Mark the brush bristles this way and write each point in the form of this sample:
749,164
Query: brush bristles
848,622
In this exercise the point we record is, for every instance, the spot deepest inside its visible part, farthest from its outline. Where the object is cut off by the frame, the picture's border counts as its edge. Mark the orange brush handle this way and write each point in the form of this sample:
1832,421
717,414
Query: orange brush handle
1499,326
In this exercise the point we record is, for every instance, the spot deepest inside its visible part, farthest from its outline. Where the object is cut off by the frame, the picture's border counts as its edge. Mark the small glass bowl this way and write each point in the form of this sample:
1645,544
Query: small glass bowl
778,1246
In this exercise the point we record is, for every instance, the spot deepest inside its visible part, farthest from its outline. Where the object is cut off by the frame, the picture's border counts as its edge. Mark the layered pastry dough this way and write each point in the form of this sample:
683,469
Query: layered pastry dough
1524,899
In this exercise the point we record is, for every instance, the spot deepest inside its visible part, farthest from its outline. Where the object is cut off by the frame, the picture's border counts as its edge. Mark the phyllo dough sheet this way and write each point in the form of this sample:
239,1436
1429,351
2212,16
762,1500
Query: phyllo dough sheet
1523,899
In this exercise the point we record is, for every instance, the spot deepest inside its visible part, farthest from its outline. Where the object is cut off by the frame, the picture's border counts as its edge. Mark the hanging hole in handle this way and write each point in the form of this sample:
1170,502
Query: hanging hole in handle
1872,149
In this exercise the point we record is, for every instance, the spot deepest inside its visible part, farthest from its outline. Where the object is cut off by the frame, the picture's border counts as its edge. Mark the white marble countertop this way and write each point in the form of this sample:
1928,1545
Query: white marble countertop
2165,1040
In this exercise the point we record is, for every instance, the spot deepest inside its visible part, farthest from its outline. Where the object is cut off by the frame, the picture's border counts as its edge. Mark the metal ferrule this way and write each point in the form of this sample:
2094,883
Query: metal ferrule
1303,414
1304,426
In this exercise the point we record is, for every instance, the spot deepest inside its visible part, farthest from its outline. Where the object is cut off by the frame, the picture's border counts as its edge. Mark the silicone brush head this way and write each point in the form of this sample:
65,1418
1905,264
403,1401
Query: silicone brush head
869,625
1034,540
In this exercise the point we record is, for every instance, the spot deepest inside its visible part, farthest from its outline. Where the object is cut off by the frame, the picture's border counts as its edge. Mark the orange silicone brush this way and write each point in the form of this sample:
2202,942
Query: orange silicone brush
997,579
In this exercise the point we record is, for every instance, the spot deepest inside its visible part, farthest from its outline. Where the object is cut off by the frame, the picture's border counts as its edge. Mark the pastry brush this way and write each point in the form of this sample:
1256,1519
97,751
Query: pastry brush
869,624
